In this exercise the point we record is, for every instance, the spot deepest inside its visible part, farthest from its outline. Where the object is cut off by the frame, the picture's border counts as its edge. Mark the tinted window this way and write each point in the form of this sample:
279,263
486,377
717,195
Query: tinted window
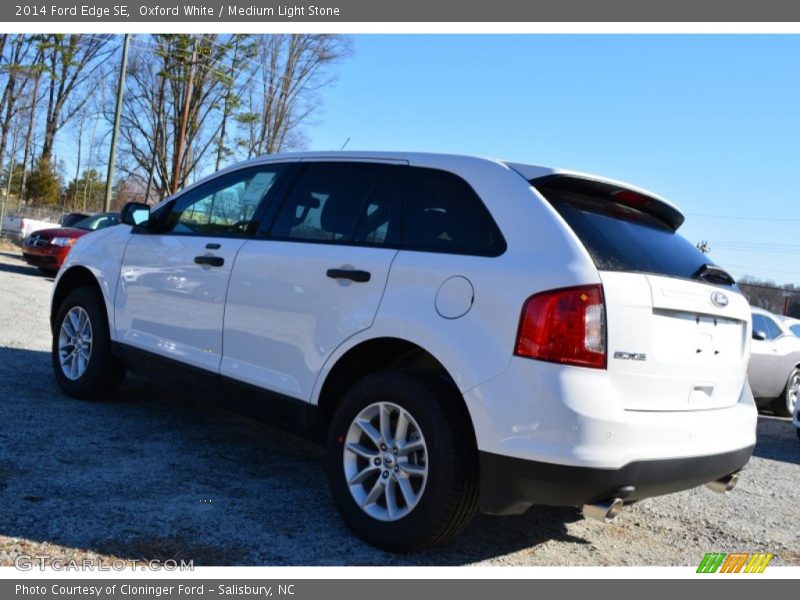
619,237
795,329
441,212
773,330
342,203
223,206
767,325
95,222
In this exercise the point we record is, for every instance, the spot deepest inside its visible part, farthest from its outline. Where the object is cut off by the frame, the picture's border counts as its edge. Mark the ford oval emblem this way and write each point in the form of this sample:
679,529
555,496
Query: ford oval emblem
719,299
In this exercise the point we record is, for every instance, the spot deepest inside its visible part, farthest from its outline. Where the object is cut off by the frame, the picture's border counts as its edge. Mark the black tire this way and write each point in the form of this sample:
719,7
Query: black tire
449,499
104,372
783,405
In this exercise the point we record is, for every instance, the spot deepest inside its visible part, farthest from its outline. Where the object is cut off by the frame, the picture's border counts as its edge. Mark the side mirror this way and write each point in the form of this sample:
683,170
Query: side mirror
759,335
135,213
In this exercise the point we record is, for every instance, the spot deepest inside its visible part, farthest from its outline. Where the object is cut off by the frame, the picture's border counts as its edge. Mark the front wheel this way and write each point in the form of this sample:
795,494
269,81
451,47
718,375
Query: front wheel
402,462
783,406
82,360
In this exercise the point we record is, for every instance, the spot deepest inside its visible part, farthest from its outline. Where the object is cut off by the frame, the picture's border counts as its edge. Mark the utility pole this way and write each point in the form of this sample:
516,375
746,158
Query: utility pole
117,113
178,161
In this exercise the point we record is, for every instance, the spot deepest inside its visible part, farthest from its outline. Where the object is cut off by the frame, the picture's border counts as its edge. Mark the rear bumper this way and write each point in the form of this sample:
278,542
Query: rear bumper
572,416
511,485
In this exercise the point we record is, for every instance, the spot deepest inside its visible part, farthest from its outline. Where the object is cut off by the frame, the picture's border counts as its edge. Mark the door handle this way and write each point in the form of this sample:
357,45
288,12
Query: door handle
351,274
213,261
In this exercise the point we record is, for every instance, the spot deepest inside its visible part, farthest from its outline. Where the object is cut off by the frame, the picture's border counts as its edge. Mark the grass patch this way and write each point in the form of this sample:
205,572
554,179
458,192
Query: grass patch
10,244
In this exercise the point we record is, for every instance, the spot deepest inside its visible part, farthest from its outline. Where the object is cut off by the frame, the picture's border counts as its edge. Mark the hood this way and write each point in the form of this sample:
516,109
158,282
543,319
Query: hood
69,232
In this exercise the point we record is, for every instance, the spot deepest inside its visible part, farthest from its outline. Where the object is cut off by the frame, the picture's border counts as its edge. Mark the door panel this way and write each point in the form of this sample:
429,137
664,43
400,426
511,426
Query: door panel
174,275
319,279
168,304
285,315
762,371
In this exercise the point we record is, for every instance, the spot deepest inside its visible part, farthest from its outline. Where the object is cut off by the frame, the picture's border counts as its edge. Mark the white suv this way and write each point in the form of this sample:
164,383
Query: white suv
463,333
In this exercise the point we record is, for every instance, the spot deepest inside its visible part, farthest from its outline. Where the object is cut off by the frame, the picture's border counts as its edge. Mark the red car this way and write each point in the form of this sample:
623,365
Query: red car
46,249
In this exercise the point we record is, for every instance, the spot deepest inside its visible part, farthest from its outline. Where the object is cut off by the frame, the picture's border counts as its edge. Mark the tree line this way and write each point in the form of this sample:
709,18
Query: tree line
766,294
192,103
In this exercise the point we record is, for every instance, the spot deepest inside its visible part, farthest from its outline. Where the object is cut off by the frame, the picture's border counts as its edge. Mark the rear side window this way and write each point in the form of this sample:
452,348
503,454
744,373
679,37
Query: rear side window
442,213
795,329
342,203
620,237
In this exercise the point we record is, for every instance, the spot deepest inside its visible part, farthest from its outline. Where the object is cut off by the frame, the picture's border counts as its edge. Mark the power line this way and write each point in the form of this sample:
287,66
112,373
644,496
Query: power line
741,218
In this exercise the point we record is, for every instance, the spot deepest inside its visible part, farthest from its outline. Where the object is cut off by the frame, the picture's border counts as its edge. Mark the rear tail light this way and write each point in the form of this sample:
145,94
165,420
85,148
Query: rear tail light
566,326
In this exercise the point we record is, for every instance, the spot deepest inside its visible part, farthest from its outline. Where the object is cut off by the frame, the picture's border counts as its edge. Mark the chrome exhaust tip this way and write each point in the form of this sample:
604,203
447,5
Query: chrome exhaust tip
605,511
724,485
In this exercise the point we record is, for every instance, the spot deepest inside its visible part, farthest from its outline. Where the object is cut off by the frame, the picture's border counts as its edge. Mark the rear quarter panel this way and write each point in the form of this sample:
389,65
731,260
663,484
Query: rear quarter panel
541,254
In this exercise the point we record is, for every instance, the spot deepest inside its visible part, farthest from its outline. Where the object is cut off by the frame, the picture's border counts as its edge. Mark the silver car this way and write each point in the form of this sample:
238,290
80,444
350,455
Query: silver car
793,324
774,370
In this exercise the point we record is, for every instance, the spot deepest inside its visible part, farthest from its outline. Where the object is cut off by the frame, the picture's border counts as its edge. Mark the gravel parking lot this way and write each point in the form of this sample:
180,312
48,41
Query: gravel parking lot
159,474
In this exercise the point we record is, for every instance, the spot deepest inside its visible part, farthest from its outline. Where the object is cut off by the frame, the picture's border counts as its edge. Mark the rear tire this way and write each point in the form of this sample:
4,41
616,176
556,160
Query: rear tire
83,363
428,509
783,406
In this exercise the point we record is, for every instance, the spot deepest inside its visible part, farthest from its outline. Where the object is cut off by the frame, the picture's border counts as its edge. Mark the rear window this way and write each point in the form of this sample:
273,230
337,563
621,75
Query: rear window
620,237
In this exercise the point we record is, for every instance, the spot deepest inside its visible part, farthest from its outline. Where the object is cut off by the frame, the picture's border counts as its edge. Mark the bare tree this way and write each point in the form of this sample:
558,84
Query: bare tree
289,72
71,60
16,70
169,120
37,68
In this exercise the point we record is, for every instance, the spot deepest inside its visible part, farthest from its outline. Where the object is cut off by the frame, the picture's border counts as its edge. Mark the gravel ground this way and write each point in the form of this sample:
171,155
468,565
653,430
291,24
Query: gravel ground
159,474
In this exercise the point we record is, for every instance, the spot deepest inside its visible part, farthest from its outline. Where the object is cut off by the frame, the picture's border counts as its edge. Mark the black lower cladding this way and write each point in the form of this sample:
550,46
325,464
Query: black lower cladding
284,412
511,485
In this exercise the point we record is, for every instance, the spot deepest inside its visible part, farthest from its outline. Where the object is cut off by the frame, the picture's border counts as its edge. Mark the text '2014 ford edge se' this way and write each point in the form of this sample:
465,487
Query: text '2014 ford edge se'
464,334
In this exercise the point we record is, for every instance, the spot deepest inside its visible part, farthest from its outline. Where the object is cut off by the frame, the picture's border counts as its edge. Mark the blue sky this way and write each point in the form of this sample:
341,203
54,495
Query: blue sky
709,122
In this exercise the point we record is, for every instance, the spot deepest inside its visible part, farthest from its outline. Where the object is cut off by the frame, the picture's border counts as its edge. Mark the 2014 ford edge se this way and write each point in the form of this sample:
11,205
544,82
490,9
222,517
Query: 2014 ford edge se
465,334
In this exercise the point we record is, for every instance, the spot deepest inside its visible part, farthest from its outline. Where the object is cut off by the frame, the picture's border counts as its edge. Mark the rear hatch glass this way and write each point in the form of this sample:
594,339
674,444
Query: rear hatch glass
624,230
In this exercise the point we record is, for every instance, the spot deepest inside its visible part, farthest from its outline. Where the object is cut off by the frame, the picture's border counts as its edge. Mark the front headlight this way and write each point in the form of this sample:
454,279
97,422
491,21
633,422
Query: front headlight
62,241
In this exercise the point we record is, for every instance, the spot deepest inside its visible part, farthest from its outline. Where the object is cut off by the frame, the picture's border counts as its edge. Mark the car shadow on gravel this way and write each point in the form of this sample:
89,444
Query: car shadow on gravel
158,474
20,269
777,440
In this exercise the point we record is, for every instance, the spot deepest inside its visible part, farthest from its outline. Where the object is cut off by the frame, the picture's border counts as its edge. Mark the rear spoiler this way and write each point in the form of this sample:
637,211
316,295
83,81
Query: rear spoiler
613,191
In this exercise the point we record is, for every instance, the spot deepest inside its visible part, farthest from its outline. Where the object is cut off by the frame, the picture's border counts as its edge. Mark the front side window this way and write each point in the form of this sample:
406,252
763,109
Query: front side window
342,203
223,206
442,213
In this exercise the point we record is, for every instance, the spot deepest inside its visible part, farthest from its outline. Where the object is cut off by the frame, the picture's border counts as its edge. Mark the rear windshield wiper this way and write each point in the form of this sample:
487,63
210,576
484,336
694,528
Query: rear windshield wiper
713,274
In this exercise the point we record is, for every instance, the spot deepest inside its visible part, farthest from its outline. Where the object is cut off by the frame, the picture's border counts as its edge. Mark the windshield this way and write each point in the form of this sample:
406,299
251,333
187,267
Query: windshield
97,221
